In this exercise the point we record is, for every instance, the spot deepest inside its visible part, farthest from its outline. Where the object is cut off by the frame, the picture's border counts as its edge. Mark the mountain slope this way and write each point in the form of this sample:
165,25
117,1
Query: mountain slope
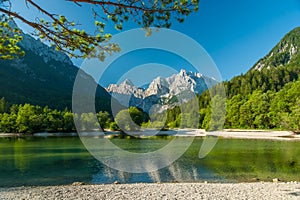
287,51
280,66
42,77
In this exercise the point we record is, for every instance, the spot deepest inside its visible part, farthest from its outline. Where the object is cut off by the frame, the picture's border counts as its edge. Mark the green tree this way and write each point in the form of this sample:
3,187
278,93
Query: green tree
130,119
233,111
246,117
254,113
215,114
64,34
137,115
8,123
280,108
68,121
261,109
104,119
3,105
88,121
294,121
53,121
114,127
124,121
285,106
172,115
29,119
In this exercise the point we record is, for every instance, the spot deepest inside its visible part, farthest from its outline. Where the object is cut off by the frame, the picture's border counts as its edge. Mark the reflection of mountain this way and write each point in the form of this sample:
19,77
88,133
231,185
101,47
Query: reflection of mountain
176,172
165,92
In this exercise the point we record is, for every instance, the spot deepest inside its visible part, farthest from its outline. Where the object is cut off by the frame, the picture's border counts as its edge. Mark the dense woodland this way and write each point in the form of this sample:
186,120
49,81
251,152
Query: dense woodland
31,119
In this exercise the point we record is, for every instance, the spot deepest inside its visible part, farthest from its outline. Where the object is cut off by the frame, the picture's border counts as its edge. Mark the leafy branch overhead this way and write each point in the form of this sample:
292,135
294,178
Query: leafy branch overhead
64,34
8,41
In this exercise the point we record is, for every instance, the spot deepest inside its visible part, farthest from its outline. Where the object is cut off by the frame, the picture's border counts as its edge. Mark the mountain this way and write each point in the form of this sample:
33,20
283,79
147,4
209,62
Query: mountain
280,66
287,51
43,77
166,92
126,88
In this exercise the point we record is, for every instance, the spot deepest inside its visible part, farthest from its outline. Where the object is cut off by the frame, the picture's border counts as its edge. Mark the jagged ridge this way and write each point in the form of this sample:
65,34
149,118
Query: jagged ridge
169,91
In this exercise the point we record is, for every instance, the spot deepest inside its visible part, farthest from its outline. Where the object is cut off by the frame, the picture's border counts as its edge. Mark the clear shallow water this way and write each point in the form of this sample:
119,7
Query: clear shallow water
64,160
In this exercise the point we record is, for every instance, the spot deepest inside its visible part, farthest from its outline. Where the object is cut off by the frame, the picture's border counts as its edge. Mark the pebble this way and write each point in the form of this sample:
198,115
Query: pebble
275,180
78,183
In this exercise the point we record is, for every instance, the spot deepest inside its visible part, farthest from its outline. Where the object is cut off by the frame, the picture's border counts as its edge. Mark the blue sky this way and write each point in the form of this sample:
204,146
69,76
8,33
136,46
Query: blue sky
235,33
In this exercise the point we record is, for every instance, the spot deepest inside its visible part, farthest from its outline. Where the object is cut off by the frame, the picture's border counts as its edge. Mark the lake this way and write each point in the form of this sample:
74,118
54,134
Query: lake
64,160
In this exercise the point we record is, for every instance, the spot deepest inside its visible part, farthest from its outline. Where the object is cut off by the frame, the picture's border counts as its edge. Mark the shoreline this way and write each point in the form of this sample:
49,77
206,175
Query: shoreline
256,190
226,133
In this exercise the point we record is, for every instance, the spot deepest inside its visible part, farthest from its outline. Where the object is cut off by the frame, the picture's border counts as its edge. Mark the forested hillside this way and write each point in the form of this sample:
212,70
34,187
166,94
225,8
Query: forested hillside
266,97
272,72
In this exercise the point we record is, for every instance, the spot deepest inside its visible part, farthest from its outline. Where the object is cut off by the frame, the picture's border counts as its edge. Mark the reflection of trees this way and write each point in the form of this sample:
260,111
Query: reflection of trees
21,160
6,151
31,160
247,159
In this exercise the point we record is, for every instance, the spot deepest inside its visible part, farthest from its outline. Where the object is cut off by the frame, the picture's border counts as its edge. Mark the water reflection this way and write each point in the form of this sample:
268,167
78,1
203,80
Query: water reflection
173,173
52,161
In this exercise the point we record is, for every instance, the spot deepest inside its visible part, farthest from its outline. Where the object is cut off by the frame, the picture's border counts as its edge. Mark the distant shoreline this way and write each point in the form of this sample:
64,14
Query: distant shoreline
226,133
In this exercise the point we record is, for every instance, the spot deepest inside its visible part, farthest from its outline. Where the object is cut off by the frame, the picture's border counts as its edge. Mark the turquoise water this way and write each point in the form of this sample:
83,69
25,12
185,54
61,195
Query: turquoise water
64,160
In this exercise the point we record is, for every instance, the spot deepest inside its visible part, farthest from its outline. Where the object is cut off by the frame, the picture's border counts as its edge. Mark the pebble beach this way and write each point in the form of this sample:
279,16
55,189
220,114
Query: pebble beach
257,190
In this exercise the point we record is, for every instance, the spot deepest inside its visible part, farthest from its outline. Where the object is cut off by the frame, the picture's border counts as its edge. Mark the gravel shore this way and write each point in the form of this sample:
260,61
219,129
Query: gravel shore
258,190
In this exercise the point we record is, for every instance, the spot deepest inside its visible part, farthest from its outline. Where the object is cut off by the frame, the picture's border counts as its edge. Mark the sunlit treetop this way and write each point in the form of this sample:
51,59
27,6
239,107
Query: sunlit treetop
64,35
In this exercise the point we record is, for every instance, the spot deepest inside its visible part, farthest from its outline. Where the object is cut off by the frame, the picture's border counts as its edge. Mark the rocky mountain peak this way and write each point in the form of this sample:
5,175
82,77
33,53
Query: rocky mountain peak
174,85
160,89
183,73
127,82
127,88
159,86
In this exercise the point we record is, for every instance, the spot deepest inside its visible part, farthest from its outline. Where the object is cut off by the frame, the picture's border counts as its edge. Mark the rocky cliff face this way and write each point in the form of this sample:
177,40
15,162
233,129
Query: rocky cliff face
47,53
165,92
126,87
